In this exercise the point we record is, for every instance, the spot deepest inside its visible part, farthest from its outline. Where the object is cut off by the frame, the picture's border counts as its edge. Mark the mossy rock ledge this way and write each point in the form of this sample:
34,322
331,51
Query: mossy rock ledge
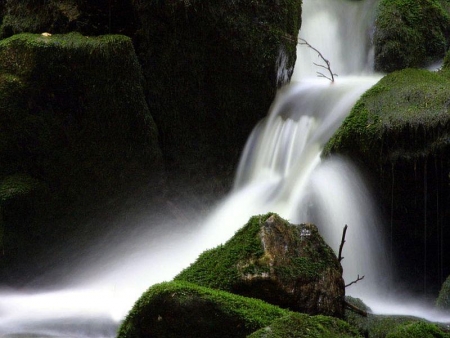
399,134
410,33
283,264
75,130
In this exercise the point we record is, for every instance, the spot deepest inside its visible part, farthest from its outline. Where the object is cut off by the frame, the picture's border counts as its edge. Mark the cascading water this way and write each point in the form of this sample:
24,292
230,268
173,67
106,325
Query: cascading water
280,171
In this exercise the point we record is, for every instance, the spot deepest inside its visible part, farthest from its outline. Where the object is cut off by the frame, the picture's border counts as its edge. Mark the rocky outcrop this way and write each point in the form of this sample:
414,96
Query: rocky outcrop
398,132
75,129
410,34
283,264
184,310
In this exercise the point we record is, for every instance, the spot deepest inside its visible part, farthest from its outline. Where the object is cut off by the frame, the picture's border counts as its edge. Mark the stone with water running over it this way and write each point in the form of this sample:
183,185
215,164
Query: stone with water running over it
283,264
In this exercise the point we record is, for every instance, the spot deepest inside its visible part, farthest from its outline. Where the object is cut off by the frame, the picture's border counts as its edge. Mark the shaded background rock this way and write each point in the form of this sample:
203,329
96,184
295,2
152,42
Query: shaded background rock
74,119
211,71
283,264
410,33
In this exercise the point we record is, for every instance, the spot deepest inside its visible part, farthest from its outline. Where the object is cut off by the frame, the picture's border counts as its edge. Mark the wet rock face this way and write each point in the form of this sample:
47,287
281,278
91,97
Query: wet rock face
303,272
283,264
75,130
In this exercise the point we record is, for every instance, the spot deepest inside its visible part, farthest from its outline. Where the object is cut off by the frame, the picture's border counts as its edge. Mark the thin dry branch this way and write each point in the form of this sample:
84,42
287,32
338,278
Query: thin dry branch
340,258
327,65
355,281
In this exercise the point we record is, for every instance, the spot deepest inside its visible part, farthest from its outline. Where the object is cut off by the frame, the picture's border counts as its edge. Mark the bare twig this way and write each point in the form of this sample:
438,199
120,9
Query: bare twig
340,258
355,281
327,63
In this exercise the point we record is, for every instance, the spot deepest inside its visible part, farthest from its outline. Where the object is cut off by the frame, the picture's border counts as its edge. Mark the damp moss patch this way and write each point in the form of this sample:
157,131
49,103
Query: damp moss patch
406,114
180,309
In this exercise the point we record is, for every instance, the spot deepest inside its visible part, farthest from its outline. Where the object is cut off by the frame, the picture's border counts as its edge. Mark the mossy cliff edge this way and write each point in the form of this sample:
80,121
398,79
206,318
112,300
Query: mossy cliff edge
74,126
398,132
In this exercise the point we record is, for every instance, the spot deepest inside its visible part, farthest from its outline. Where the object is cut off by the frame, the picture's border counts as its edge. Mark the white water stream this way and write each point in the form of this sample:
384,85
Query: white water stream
280,171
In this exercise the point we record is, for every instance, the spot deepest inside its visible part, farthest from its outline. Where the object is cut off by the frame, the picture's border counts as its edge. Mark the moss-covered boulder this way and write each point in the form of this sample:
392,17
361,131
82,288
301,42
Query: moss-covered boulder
180,309
398,133
64,16
410,33
211,69
73,117
301,325
443,300
283,264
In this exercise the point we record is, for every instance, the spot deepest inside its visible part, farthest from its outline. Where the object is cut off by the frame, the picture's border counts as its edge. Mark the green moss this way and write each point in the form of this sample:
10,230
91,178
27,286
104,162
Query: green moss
180,309
301,325
401,103
410,33
443,300
216,268
418,330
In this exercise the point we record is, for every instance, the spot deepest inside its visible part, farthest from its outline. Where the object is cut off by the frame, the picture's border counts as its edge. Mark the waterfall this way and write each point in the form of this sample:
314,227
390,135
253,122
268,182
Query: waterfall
281,170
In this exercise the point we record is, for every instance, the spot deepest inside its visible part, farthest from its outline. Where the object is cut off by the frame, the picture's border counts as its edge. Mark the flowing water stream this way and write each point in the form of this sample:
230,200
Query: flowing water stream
280,171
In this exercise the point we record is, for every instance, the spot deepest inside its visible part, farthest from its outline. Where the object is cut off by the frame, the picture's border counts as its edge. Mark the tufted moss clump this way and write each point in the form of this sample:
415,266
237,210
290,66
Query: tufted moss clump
74,117
301,325
180,309
410,34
